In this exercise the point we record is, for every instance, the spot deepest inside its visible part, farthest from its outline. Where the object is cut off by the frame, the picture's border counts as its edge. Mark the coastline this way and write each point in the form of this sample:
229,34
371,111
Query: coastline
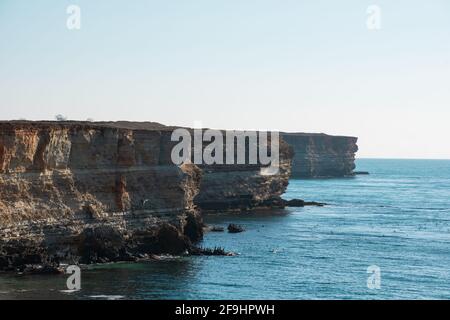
108,192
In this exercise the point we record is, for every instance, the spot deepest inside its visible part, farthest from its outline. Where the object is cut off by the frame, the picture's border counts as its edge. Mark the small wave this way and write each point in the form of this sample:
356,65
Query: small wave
107,297
68,291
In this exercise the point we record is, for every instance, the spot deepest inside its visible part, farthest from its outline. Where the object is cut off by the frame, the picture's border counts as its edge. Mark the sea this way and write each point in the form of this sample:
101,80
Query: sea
385,235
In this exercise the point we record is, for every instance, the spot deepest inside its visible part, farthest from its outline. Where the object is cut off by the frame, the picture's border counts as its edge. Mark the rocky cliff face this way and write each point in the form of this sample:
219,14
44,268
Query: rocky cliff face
97,192
244,187
321,155
234,187
89,193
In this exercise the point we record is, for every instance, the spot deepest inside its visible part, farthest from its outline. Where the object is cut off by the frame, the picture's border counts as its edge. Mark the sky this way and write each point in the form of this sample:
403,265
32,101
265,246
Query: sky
289,65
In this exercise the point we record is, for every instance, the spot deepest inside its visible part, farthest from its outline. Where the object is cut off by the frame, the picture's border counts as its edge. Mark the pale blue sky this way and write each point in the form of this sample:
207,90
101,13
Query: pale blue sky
289,65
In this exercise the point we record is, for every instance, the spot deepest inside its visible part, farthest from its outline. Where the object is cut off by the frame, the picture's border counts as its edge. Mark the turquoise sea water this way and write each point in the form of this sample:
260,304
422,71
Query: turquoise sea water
397,218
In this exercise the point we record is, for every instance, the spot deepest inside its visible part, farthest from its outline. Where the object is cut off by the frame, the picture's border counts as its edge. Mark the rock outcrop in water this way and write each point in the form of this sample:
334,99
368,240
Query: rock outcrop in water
321,155
97,192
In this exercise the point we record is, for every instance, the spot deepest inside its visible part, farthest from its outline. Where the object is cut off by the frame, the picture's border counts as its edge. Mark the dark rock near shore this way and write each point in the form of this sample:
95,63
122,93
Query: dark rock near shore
217,251
193,228
294,203
302,203
360,173
101,244
313,203
235,228
41,269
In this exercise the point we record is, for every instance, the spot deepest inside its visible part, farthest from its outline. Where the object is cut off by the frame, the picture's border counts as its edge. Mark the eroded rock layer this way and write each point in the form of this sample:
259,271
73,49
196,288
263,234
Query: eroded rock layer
239,186
74,192
244,187
90,193
321,155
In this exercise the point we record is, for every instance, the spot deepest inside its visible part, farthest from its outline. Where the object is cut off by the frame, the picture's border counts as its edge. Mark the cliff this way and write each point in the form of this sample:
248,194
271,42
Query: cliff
321,155
244,187
78,192
234,187
87,193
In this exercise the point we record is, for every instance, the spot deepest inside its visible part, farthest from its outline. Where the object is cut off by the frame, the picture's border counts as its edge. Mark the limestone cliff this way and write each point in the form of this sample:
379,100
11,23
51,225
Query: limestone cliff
79,192
234,187
89,193
244,187
321,155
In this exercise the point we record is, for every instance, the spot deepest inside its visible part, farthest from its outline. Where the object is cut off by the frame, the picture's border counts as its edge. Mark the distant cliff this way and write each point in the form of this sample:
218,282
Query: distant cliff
321,155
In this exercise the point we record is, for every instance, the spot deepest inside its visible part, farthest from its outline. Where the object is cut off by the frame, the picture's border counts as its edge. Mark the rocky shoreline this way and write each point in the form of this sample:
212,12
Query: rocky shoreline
82,193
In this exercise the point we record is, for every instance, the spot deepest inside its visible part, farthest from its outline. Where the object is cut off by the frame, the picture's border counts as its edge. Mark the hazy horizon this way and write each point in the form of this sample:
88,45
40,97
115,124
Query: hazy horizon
296,66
